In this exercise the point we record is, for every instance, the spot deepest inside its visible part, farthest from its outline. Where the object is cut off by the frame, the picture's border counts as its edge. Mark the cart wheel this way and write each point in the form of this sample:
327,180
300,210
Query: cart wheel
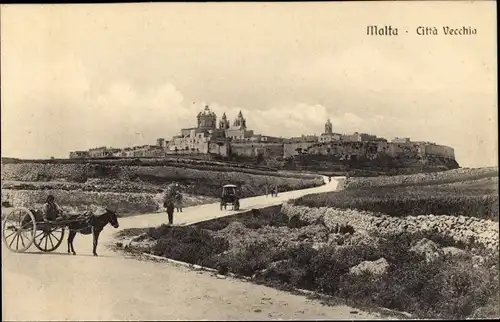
19,227
49,239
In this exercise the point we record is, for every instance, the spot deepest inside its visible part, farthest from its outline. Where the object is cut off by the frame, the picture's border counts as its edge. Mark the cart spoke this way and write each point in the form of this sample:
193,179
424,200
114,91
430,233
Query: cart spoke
17,241
55,237
25,234
40,241
50,238
39,234
22,239
46,240
12,233
12,241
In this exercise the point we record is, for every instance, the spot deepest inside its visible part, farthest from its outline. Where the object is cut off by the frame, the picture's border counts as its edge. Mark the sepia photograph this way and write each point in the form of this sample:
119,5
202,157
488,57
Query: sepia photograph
249,161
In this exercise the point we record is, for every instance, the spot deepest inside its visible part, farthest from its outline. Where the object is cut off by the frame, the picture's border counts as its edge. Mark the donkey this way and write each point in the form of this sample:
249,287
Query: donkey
92,225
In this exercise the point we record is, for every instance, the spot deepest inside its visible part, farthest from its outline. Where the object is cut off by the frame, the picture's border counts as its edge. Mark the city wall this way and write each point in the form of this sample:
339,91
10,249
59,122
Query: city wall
252,149
369,150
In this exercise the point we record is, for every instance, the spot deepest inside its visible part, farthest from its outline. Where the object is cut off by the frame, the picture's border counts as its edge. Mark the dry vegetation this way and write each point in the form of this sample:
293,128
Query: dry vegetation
426,272
443,177
267,250
478,198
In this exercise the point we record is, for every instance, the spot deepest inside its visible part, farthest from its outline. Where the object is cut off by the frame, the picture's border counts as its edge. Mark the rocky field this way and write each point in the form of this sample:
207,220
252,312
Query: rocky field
401,256
134,188
443,177
477,198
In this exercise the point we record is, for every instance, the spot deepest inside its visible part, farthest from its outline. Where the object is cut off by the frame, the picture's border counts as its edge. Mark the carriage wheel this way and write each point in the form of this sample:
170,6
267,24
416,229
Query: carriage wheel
49,239
19,227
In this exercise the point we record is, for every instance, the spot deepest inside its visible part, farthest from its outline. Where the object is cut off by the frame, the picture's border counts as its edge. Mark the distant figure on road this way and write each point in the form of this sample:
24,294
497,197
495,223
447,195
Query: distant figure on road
178,201
275,190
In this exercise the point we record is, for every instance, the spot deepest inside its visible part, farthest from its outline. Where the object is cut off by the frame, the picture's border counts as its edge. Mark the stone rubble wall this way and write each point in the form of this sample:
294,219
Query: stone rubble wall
460,228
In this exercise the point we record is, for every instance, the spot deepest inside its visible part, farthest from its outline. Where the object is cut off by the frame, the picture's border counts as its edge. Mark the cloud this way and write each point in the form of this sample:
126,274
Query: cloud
123,116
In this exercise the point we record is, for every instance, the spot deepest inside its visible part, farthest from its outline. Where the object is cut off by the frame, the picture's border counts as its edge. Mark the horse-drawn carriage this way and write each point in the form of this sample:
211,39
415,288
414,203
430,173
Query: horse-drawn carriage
23,227
230,197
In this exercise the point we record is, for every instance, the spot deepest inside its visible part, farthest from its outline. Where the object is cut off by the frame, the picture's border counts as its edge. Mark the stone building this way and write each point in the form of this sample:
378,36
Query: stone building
238,131
328,135
147,151
100,152
359,137
400,140
204,138
78,154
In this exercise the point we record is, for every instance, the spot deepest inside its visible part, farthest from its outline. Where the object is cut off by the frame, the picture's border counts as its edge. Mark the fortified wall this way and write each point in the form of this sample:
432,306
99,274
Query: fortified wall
252,149
369,150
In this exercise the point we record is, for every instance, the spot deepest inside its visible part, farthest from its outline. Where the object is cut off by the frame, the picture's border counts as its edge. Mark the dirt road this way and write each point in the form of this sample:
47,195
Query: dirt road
58,286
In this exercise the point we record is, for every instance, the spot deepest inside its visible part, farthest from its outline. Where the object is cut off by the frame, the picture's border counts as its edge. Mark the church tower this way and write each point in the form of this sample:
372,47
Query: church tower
224,123
240,122
328,127
207,119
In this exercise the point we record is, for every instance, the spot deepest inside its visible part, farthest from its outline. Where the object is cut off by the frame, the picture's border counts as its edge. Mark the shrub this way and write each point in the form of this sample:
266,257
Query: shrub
246,261
187,244
216,224
445,288
272,217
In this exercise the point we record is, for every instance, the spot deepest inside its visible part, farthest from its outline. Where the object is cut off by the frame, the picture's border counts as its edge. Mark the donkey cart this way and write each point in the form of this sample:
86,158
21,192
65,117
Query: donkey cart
23,227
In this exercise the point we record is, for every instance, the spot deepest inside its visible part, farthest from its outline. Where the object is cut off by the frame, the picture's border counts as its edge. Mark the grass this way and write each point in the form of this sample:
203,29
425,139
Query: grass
421,179
187,244
477,200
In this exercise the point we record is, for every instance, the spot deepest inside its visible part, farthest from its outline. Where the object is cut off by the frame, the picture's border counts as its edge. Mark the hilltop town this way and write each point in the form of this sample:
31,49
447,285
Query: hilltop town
235,140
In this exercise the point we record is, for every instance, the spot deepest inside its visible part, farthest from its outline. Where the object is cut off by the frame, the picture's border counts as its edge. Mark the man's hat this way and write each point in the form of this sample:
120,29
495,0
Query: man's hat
50,198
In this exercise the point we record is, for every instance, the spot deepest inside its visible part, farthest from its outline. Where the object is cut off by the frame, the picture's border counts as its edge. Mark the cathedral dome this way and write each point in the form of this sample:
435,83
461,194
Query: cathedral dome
206,112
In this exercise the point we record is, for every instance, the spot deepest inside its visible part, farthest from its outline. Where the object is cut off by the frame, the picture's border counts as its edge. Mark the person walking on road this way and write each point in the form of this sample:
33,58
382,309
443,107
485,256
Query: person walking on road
275,190
168,203
178,201
170,212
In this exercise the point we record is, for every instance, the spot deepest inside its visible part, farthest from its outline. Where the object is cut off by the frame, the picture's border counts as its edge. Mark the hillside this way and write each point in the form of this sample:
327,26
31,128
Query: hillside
135,186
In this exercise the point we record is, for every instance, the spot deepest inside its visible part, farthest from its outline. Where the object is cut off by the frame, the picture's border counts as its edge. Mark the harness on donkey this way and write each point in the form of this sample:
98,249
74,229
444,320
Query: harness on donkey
91,224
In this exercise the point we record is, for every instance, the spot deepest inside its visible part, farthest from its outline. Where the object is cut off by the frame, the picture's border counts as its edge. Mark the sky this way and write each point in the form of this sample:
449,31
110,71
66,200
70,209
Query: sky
79,76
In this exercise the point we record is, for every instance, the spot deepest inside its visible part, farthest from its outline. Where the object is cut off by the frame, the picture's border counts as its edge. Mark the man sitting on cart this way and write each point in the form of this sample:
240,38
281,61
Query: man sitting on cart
51,210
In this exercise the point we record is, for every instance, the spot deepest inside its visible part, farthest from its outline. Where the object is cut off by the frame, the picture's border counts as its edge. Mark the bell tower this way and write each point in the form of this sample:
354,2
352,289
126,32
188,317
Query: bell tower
328,127
240,122
224,123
